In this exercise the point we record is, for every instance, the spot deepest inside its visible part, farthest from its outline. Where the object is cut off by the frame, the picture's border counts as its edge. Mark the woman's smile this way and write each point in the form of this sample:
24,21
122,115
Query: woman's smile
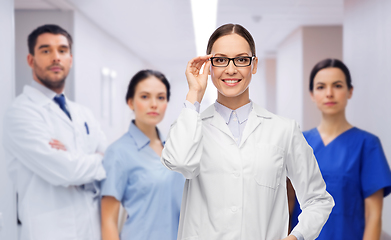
231,82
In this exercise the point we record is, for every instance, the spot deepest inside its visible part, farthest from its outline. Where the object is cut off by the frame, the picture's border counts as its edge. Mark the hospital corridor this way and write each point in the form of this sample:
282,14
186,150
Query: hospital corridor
195,119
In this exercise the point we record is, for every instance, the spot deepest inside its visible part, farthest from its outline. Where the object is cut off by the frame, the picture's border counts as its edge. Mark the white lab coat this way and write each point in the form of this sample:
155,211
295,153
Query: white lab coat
239,191
52,203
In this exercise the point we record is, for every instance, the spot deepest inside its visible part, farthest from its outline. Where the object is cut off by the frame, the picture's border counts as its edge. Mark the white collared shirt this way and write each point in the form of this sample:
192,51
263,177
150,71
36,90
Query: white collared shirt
46,91
235,119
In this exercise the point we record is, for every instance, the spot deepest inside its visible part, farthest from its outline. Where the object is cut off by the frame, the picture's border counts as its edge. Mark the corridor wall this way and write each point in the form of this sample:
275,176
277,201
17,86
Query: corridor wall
367,53
296,56
267,83
8,229
289,71
94,50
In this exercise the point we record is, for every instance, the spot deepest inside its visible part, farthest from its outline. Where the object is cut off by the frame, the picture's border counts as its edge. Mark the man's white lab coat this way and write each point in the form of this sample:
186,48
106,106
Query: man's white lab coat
53,203
239,191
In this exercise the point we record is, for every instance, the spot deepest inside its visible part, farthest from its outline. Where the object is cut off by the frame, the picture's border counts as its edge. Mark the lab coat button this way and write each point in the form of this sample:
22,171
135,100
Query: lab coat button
234,209
235,119
236,174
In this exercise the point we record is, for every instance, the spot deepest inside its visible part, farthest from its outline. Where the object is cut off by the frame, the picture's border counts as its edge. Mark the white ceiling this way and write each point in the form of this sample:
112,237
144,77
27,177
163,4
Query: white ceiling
43,4
161,31
271,21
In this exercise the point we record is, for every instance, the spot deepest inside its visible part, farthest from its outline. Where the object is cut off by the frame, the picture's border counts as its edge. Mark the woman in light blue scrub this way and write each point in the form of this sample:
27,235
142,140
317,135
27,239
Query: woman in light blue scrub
149,192
351,160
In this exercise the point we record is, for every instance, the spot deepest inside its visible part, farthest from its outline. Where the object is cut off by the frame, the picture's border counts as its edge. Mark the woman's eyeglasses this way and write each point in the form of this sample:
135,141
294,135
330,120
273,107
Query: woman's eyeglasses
224,61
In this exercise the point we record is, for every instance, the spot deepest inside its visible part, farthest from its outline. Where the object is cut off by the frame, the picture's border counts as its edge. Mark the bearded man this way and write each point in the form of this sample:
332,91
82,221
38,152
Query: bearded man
54,147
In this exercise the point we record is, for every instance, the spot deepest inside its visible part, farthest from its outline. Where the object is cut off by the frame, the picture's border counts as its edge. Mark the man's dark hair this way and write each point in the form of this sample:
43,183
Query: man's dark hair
48,28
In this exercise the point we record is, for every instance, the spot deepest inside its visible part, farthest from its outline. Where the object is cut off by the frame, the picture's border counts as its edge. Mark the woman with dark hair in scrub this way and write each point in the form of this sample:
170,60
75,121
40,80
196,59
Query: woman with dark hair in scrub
351,160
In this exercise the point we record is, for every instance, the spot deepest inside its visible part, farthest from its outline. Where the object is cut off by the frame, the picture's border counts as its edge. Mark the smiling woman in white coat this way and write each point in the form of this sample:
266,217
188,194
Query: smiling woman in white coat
236,155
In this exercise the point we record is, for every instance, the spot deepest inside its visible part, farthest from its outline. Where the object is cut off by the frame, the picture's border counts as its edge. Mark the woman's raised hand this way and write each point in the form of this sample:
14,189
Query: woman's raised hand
197,81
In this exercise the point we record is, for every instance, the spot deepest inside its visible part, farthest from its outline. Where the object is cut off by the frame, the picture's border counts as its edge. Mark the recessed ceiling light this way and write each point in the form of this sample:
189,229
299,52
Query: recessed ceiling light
257,18
204,22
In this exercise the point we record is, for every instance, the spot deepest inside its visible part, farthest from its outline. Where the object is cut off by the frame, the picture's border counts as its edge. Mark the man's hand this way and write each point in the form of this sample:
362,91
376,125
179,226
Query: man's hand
57,145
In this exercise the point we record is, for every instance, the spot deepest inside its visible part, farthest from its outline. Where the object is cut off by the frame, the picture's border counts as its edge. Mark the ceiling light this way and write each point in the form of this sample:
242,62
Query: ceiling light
204,22
105,71
113,74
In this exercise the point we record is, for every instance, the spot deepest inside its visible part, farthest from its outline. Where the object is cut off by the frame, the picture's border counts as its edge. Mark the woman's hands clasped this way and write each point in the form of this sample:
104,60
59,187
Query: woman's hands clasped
197,81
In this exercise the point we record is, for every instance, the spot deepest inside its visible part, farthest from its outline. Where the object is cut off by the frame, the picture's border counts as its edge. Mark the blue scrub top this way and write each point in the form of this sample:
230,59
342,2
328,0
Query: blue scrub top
150,193
354,167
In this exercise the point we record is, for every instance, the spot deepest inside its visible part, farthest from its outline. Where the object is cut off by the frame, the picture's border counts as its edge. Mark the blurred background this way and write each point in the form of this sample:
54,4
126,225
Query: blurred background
115,39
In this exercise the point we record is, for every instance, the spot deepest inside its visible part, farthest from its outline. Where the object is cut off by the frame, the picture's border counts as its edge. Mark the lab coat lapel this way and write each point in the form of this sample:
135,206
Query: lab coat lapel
217,120
42,100
73,112
57,110
220,124
255,118
252,123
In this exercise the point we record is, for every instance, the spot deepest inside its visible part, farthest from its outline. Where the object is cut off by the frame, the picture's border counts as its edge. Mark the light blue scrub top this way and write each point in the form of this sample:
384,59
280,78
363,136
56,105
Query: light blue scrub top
354,167
150,193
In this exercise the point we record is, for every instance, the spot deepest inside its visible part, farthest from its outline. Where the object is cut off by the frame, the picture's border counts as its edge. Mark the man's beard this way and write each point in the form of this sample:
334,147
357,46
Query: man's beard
54,86
47,82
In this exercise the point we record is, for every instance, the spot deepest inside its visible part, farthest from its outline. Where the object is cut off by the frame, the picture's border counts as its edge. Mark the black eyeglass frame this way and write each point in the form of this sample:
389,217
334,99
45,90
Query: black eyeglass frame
232,59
